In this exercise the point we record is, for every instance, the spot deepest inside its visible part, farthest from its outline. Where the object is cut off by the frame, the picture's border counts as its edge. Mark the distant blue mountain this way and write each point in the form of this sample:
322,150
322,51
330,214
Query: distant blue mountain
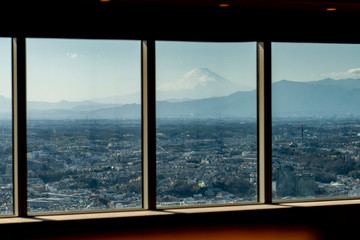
324,98
239,104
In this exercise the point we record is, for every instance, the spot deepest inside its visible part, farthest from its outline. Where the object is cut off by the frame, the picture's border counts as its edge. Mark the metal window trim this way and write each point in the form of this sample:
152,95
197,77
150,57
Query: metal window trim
19,126
149,124
264,122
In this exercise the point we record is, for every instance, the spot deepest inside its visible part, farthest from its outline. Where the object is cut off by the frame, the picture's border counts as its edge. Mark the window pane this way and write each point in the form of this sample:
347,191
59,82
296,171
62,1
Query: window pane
6,150
316,121
206,123
84,125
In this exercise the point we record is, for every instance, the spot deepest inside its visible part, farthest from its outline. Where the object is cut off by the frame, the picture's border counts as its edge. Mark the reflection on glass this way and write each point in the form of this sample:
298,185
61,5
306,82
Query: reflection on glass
6,150
84,125
316,121
206,123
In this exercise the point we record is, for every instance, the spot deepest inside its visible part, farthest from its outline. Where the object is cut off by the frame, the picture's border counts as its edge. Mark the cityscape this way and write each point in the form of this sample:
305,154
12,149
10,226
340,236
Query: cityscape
89,165
316,158
84,165
206,162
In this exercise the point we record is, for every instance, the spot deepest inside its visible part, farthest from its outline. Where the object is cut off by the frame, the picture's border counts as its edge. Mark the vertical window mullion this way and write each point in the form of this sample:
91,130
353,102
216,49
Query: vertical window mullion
264,122
149,125
19,126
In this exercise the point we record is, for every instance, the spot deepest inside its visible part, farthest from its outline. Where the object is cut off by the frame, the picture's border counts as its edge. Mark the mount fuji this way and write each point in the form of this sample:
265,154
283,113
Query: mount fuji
199,83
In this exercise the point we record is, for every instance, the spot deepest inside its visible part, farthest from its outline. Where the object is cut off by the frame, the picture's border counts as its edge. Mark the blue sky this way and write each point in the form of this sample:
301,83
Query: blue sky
307,62
75,70
233,61
5,67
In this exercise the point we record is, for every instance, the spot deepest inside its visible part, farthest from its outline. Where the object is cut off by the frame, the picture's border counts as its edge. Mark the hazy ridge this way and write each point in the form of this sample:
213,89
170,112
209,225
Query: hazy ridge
323,98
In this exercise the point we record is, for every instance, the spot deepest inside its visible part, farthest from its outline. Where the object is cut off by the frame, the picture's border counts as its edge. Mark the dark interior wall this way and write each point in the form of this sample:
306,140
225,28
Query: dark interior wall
327,222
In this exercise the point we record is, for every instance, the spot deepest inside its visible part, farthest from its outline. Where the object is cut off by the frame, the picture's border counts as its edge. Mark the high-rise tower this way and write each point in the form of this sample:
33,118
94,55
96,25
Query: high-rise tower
302,133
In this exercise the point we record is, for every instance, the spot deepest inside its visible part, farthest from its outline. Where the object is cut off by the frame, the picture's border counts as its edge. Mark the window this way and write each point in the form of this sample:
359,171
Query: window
83,125
316,130
90,144
206,123
6,151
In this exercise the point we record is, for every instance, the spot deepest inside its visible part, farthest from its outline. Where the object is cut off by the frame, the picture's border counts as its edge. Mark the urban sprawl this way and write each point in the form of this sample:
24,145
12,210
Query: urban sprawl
88,165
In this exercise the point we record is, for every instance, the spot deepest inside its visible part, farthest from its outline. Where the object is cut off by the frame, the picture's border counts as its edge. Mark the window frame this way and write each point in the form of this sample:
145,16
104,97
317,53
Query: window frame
325,201
19,126
148,100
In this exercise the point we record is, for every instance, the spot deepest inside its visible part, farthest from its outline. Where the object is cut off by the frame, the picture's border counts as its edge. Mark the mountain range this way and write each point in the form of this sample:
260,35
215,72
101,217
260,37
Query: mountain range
323,98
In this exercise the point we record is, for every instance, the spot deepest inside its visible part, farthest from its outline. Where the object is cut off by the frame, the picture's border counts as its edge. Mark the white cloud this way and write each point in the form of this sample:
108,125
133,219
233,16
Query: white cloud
355,71
351,73
71,55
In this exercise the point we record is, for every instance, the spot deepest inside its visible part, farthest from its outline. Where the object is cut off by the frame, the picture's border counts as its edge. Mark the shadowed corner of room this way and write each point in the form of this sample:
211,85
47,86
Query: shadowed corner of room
223,233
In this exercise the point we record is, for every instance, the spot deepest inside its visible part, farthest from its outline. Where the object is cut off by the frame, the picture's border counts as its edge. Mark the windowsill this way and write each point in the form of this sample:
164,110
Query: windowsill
168,212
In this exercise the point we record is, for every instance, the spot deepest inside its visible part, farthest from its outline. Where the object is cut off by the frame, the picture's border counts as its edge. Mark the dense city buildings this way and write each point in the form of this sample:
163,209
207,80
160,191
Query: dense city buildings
206,162
82,165
6,168
316,158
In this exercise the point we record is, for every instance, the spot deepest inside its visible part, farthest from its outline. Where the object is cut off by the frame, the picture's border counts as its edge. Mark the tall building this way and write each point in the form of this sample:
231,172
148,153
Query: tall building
305,184
290,183
285,181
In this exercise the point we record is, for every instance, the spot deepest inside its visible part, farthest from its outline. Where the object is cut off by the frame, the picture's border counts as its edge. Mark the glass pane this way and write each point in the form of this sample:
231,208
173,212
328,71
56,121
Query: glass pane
206,123
84,125
6,149
316,121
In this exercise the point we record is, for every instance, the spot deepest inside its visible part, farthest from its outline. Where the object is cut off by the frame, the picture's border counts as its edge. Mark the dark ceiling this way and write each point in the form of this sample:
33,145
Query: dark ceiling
303,5
238,20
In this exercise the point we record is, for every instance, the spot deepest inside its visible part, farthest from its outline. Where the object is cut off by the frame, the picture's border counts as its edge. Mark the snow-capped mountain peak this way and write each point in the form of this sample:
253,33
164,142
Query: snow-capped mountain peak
197,83
198,77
